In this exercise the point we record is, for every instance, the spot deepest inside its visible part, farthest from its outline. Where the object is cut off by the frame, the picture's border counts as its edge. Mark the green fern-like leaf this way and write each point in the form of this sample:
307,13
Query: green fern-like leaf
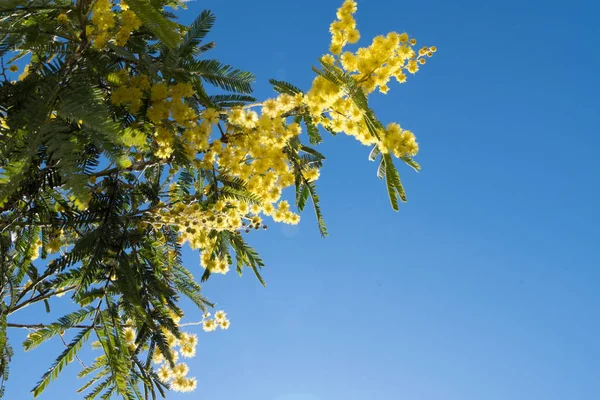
393,183
223,76
155,22
36,338
374,153
196,32
411,163
62,361
312,188
313,131
284,87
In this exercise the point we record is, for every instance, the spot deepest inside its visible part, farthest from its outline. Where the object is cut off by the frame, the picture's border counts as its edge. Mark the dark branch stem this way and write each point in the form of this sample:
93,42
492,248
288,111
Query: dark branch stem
39,298
134,167
36,8
40,326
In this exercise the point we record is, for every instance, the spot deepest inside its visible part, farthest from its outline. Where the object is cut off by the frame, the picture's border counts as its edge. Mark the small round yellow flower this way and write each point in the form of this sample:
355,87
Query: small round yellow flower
353,36
180,369
13,68
209,325
224,324
157,357
188,350
335,49
164,373
129,335
221,315
328,58
63,19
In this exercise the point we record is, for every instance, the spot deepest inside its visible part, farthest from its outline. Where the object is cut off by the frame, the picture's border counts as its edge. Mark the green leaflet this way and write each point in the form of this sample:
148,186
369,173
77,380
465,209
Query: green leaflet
38,337
230,100
312,188
411,163
221,75
374,153
392,181
246,255
63,359
155,21
196,32
284,87
311,128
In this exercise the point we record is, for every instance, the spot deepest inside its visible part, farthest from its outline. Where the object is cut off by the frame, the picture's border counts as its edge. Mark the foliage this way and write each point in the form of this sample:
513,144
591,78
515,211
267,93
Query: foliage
120,142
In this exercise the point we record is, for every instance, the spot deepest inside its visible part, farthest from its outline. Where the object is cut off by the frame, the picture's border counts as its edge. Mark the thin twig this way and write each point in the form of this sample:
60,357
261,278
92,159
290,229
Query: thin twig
76,356
134,167
39,298
41,326
192,323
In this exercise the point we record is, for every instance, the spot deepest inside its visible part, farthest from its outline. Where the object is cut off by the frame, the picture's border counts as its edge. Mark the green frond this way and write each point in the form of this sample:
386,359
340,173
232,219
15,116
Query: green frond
312,129
223,76
230,193
39,336
411,163
315,200
204,48
230,100
62,361
313,152
186,285
154,20
98,389
99,362
246,255
92,381
83,101
374,153
392,180
196,32
284,87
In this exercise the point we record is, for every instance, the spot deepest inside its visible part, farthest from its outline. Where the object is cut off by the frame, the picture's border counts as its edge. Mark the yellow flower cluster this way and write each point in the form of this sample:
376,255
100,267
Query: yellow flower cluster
105,19
25,73
399,141
177,376
34,251
343,30
197,225
130,22
62,19
167,111
253,152
53,245
220,320
131,90
372,67
129,335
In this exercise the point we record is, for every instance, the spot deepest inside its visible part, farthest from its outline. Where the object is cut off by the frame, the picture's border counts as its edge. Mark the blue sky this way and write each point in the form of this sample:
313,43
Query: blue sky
485,285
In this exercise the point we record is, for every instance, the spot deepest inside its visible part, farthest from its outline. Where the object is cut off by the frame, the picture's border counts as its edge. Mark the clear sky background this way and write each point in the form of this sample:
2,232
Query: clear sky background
486,285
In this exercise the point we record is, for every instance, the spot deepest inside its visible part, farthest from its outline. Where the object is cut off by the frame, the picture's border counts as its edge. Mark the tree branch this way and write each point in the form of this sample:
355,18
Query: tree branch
137,166
41,326
39,298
